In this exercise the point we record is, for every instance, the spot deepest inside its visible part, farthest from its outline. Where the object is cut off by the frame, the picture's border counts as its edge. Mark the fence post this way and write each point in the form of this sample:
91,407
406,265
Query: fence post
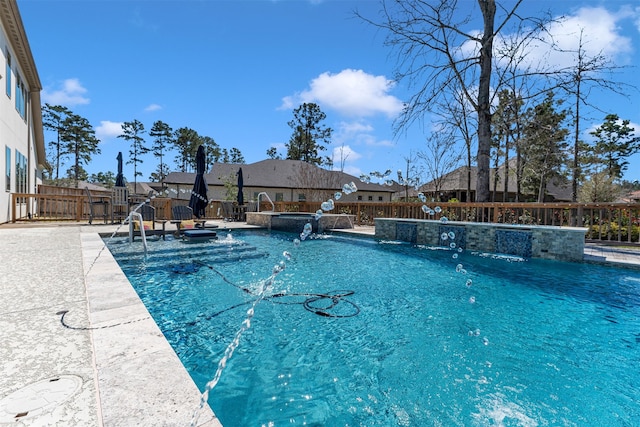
79,208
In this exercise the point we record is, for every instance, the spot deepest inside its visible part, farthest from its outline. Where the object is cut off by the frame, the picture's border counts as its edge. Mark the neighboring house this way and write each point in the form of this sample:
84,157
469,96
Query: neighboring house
140,187
633,197
282,180
454,185
22,150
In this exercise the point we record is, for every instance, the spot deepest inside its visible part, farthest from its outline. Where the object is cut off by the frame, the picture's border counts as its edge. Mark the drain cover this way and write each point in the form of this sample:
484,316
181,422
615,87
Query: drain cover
37,398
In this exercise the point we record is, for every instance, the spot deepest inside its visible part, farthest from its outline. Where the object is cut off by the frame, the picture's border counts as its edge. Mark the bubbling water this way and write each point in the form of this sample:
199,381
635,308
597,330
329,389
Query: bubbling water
246,324
306,231
328,205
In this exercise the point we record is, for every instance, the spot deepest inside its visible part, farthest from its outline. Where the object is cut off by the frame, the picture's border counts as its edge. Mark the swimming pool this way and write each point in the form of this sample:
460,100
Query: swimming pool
404,335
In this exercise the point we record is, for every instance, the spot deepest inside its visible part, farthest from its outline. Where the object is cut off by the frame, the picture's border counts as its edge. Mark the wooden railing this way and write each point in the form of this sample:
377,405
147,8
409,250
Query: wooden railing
615,222
69,207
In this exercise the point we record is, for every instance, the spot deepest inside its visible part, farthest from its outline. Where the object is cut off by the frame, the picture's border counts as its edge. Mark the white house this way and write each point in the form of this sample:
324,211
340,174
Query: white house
22,151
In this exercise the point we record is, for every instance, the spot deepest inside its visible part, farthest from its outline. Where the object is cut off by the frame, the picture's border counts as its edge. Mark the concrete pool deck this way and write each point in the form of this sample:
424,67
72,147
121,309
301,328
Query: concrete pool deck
78,347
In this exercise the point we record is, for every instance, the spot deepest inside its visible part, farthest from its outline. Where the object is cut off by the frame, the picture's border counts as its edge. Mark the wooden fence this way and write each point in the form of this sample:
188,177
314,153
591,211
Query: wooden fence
615,222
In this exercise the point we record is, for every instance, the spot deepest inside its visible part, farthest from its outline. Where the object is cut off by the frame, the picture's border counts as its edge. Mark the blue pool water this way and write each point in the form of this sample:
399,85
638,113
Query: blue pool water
411,337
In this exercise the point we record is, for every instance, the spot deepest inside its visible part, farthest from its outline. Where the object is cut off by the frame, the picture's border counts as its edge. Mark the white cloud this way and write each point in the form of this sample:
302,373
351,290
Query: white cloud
586,134
355,127
344,154
601,34
352,170
71,93
358,133
153,107
352,93
108,130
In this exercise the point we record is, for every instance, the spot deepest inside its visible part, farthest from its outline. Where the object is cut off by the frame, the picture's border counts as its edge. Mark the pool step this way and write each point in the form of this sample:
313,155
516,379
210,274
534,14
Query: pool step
190,258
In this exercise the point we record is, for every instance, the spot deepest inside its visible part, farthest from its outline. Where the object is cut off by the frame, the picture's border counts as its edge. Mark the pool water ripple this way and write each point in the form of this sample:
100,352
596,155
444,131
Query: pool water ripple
526,344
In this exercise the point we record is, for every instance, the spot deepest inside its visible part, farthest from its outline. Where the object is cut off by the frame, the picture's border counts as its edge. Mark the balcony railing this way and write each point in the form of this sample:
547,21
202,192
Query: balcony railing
614,222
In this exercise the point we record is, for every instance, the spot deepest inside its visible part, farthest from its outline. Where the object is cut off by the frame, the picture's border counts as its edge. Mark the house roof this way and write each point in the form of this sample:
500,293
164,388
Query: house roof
274,173
457,181
633,197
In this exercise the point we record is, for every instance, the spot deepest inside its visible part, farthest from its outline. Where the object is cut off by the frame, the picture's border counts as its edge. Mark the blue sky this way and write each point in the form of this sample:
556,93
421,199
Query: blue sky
235,70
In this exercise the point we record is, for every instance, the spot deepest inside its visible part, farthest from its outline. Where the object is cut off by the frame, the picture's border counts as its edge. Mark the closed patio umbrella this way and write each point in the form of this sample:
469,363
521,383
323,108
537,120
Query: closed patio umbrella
120,177
240,185
199,198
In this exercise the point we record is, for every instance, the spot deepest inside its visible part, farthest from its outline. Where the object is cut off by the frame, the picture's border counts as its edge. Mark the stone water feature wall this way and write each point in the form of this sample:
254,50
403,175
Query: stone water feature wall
294,222
558,243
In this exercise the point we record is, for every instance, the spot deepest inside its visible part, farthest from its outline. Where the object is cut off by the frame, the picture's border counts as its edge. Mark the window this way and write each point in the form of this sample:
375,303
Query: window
379,198
20,96
7,167
359,198
279,197
370,198
8,74
302,197
21,173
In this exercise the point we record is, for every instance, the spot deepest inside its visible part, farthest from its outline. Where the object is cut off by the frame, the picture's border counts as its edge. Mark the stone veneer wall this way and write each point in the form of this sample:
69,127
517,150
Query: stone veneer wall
558,243
296,221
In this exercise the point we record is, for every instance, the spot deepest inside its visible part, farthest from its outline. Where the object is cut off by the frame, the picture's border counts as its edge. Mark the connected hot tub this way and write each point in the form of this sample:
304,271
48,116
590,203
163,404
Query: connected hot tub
295,221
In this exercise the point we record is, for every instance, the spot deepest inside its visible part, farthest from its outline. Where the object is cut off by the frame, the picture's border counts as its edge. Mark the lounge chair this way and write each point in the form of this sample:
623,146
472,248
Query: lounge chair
252,207
228,211
149,221
120,203
103,202
183,219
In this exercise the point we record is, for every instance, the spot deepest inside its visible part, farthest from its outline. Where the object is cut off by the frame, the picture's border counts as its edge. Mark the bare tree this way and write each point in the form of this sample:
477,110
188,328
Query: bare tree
317,184
411,175
441,156
432,53
458,118
578,80
507,133
344,155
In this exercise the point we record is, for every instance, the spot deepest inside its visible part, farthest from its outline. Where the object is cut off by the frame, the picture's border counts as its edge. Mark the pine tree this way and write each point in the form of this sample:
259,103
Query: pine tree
162,137
132,132
544,146
80,143
615,141
309,135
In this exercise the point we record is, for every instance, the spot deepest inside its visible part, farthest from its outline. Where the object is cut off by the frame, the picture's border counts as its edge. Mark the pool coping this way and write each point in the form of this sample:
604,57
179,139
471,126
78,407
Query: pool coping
127,366
68,311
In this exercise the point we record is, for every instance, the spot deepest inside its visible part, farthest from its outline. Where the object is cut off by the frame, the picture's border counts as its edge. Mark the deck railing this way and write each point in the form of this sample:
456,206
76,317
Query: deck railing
69,207
614,222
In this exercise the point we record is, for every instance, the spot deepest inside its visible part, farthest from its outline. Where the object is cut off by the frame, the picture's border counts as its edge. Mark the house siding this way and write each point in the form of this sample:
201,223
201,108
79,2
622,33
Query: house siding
278,176
19,134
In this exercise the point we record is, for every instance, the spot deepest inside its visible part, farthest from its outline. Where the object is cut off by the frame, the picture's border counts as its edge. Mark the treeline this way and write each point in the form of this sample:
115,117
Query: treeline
75,142
535,145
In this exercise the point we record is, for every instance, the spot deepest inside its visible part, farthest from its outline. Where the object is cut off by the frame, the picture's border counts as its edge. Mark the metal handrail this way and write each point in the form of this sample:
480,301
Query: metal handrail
273,207
138,216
